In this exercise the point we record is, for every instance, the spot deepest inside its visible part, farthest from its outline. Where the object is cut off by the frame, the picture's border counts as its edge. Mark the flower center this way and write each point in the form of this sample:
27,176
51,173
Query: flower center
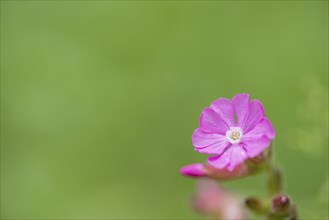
234,135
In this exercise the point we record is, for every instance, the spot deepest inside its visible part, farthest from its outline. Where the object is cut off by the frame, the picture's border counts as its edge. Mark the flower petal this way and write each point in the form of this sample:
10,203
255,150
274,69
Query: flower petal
201,139
241,106
224,109
232,157
255,114
220,161
255,146
238,155
217,148
210,122
208,143
264,127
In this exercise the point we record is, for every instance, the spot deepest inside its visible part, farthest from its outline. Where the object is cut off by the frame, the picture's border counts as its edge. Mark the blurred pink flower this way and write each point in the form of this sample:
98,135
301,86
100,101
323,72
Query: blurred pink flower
233,131
212,200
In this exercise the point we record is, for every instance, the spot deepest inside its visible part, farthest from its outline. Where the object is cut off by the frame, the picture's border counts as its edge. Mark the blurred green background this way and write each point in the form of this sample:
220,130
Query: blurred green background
99,100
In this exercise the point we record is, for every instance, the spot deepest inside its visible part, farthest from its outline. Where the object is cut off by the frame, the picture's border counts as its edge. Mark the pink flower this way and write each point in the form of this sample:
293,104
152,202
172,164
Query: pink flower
212,200
233,131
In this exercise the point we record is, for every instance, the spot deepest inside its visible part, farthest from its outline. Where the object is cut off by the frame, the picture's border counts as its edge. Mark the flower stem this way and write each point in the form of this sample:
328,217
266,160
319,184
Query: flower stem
274,181
274,178
281,208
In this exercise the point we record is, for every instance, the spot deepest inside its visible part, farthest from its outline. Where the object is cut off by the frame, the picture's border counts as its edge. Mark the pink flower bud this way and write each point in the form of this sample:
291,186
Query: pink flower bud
194,170
280,204
249,167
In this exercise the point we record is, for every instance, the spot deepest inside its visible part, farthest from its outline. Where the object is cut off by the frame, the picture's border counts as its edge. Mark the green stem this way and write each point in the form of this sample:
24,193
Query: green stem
274,181
277,206
274,178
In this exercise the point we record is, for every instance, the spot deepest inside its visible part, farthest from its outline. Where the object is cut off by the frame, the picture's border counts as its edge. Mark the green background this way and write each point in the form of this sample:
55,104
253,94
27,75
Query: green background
99,100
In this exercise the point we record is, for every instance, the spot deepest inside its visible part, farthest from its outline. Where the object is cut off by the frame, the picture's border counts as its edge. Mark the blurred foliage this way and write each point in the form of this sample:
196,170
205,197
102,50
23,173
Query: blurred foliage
312,129
99,101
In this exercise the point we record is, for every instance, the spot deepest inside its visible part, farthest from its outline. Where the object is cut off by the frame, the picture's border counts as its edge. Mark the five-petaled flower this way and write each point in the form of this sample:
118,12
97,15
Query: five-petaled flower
233,131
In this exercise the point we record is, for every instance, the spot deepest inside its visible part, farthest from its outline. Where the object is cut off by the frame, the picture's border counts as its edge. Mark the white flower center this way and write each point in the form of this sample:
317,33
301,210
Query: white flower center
234,135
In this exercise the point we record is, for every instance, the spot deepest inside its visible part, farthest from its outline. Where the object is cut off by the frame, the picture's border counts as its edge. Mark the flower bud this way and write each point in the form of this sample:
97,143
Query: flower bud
257,205
247,168
198,170
194,170
280,204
